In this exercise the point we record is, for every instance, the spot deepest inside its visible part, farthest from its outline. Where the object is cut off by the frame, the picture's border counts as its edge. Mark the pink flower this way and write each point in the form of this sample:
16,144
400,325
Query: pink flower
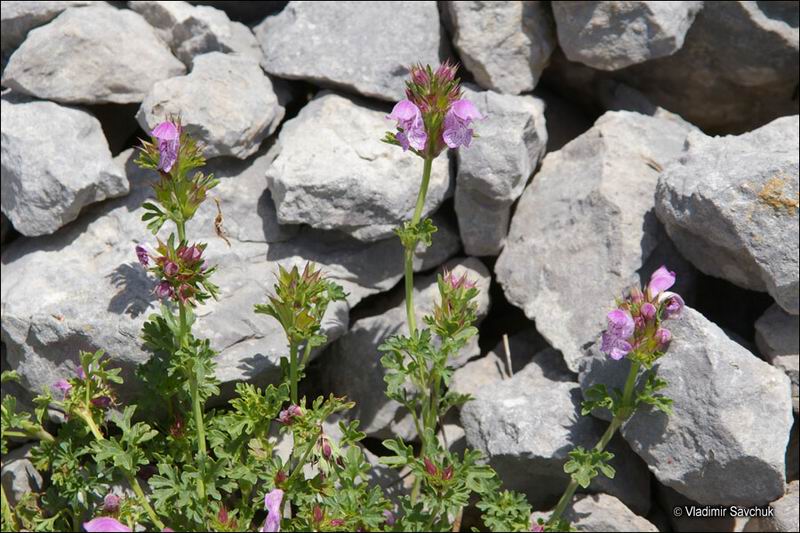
648,311
63,385
457,121
661,280
537,528
673,303
170,269
409,120
164,290
663,336
169,142
101,401
456,283
272,503
111,503
142,255
615,339
80,373
287,415
390,518
104,523
191,254
325,445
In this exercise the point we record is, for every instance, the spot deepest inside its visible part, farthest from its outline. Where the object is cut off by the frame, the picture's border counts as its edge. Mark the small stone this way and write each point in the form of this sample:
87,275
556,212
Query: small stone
18,18
352,366
55,161
601,512
91,55
227,103
526,425
191,31
19,476
585,227
730,206
615,35
778,341
505,45
493,171
333,171
711,441
375,44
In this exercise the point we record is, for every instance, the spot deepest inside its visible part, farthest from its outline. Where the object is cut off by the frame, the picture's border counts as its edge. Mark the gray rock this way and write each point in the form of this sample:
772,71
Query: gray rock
505,45
91,55
245,11
526,425
585,226
333,171
717,435
352,366
226,102
668,500
786,513
5,228
18,18
739,221
19,476
778,341
191,31
55,161
493,171
614,35
357,46
95,295
601,512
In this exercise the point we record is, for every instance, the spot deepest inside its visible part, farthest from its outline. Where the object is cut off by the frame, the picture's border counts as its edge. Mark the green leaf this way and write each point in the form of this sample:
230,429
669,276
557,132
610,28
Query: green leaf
584,465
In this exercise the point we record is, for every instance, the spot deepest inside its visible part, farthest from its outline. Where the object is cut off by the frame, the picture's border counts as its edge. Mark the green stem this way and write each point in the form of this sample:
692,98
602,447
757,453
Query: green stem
143,500
197,409
623,413
302,462
8,515
293,372
409,251
306,355
87,417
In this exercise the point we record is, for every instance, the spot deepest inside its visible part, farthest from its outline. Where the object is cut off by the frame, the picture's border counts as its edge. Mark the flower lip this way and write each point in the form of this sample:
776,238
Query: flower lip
272,503
104,523
404,111
661,280
166,131
466,111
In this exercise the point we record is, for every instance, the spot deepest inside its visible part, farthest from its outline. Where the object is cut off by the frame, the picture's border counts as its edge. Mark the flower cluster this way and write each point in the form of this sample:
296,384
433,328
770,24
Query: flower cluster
456,308
182,271
635,326
434,114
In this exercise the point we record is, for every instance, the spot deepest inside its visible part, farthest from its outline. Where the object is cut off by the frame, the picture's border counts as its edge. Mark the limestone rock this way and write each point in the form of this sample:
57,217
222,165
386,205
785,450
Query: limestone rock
777,340
601,512
18,18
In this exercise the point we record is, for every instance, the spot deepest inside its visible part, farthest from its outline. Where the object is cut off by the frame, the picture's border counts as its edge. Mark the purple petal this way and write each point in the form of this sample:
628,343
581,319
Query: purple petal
272,503
104,523
465,111
673,303
663,336
402,138
63,385
142,255
648,311
405,113
455,133
620,323
417,138
166,131
661,280
169,154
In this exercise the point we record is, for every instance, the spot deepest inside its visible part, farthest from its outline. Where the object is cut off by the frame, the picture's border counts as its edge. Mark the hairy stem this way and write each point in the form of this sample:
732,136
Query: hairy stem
143,500
623,413
293,372
409,251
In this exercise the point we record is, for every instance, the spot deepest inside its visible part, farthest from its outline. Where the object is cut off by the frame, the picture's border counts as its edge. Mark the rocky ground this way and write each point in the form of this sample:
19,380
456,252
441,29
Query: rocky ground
620,136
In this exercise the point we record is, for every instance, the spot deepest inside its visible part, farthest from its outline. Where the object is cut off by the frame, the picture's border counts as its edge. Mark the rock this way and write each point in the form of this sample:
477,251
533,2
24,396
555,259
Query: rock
526,425
5,228
352,365
18,18
55,161
668,500
375,44
333,171
564,121
615,35
785,513
601,512
505,45
191,31
226,102
778,340
706,447
493,171
585,226
19,475
106,310
739,222
245,11
91,55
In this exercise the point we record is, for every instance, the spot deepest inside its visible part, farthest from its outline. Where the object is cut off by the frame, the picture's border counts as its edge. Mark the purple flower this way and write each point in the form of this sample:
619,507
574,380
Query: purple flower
390,518
456,283
537,527
325,445
673,303
164,290
170,269
409,119
104,523
111,503
169,141
615,339
272,503
142,255
102,402
80,373
457,121
63,385
287,415
648,311
661,280
190,254
663,336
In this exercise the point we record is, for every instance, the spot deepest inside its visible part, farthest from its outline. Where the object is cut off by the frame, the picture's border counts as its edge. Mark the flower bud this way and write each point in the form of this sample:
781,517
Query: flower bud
430,468
389,517
63,385
447,473
170,269
636,295
663,336
280,477
326,447
318,515
288,415
142,255
337,522
672,302
648,311
164,290
111,503
168,135
102,402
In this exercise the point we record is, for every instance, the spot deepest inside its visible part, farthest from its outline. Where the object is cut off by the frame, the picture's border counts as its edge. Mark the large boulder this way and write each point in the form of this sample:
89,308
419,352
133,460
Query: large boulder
94,295
366,47
718,434
493,171
333,171
19,476
614,35
528,424
17,18
55,161
585,226
778,340
785,513
505,45
352,366
226,102
91,55
601,512
730,206
191,31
